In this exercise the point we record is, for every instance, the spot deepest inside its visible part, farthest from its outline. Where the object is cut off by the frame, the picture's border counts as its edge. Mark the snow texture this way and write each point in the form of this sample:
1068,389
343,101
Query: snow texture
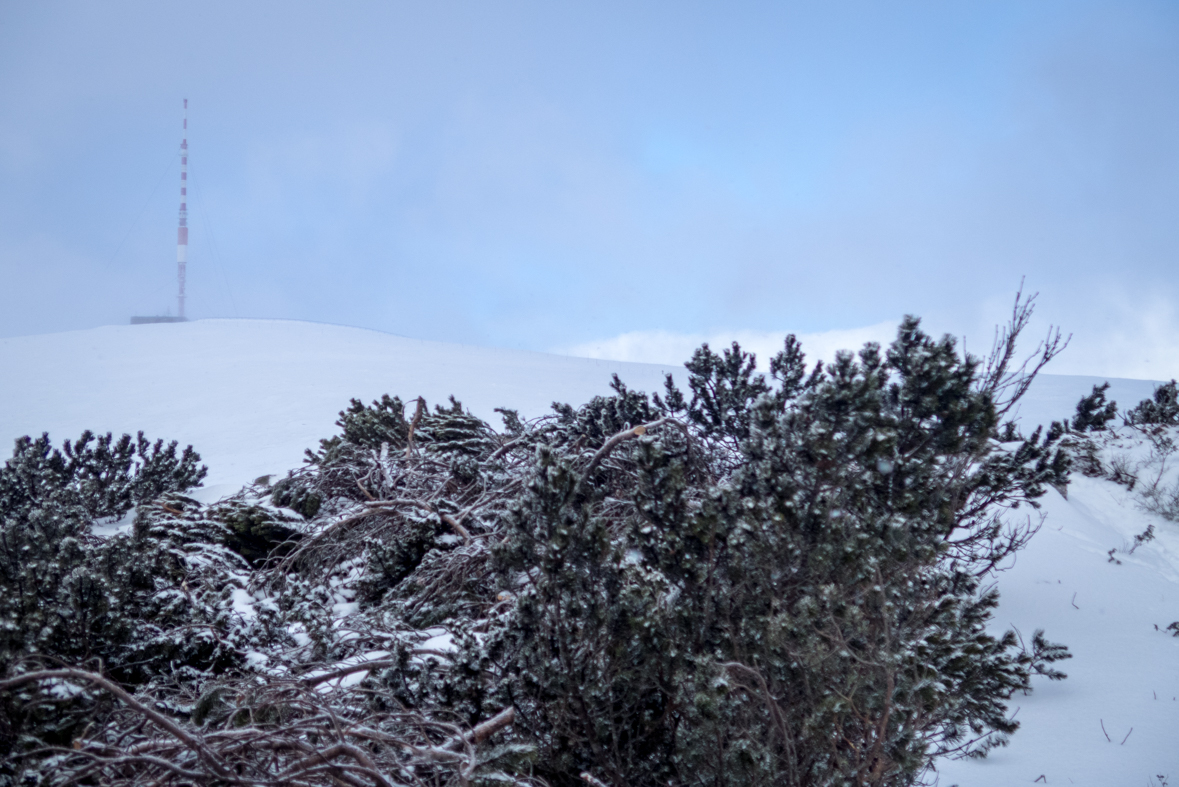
270,387
1124,673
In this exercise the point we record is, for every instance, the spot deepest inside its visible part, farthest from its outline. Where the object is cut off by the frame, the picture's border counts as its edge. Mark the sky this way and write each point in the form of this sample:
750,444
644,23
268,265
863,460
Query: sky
607,179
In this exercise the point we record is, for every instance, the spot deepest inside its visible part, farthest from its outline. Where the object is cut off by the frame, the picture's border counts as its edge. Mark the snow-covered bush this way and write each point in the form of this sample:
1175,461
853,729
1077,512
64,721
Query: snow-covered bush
1161,409
800,620
140,605
64,592
1093,411
775,580
104,476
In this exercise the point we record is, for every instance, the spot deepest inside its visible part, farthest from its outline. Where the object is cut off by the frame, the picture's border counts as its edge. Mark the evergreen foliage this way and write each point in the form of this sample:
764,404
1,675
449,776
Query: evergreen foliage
104,476
295,493
804,621
454,432
254,532
767,580
1093,411
141,605
1161,409
382,422
723,390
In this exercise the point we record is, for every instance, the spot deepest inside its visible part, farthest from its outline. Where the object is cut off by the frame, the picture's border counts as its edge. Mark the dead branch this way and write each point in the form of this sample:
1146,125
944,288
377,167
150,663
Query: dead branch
454,524
484,730
625,435
503,449
344,672
211,760
1005,379
413,425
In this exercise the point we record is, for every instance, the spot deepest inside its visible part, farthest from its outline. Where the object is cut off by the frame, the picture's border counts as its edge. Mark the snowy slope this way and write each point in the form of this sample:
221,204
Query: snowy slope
1053,397
1124,673
251,395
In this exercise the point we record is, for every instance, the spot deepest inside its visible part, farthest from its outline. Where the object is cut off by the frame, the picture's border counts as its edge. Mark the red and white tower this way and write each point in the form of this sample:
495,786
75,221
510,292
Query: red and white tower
182,230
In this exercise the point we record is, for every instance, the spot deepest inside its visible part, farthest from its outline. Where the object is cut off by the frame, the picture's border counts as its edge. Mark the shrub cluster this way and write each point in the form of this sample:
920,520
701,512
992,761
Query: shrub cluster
1161,409
762,580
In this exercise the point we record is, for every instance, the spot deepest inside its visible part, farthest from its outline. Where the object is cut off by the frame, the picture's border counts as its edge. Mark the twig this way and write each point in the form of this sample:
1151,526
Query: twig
454,524
364,491
1006,379
628,434
1103,730
1074,601
344,672
417,417
503,449
204,753
483,731
290,559
1123,743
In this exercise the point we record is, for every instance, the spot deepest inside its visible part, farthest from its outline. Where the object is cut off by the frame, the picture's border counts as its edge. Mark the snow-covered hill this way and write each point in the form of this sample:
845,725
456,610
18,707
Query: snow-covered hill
251,395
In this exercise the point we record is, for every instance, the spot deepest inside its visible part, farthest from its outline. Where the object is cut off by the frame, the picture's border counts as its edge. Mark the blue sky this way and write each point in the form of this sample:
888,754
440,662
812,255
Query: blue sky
554,175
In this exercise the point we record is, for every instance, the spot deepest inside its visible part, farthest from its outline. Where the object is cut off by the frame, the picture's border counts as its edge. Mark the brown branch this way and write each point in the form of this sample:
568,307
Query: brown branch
413,425
364,491
622,437
1005,380
344,672
482,731
369,768
503,449
776,717
132,759
454,524
290,559
204,753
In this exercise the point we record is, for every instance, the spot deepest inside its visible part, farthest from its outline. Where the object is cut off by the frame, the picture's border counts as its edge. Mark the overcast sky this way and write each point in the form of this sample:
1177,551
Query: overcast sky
611,178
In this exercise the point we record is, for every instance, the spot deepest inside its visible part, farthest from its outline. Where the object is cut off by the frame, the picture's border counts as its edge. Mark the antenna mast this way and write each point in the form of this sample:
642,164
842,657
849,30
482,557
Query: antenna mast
182,230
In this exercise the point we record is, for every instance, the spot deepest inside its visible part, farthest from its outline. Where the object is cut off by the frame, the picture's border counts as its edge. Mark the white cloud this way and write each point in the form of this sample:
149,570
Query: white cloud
667,347
1136,339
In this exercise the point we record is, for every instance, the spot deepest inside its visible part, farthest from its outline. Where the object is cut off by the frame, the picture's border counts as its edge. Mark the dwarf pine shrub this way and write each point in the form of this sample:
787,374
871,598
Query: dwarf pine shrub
759,580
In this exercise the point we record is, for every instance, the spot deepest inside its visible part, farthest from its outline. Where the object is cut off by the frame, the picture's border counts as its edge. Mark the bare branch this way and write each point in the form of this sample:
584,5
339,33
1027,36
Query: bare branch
211,760
413,425
1003,377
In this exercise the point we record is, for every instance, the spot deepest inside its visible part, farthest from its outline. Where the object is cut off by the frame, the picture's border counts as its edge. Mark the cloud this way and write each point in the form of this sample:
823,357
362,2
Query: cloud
1136,339
669,347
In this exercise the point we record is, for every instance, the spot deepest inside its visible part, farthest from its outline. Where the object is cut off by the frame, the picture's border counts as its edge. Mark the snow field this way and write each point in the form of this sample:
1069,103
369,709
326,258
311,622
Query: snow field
252,395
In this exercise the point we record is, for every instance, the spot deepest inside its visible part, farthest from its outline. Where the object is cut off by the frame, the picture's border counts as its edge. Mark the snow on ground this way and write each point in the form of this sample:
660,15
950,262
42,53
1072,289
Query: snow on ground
1053,397
1124,673
250,395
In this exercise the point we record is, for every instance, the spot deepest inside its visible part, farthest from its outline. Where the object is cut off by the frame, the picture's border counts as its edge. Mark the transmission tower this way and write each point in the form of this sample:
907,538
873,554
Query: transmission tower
182,229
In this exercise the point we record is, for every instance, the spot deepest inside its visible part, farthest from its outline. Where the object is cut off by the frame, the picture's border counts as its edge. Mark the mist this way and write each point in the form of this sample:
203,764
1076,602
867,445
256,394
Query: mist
547,177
